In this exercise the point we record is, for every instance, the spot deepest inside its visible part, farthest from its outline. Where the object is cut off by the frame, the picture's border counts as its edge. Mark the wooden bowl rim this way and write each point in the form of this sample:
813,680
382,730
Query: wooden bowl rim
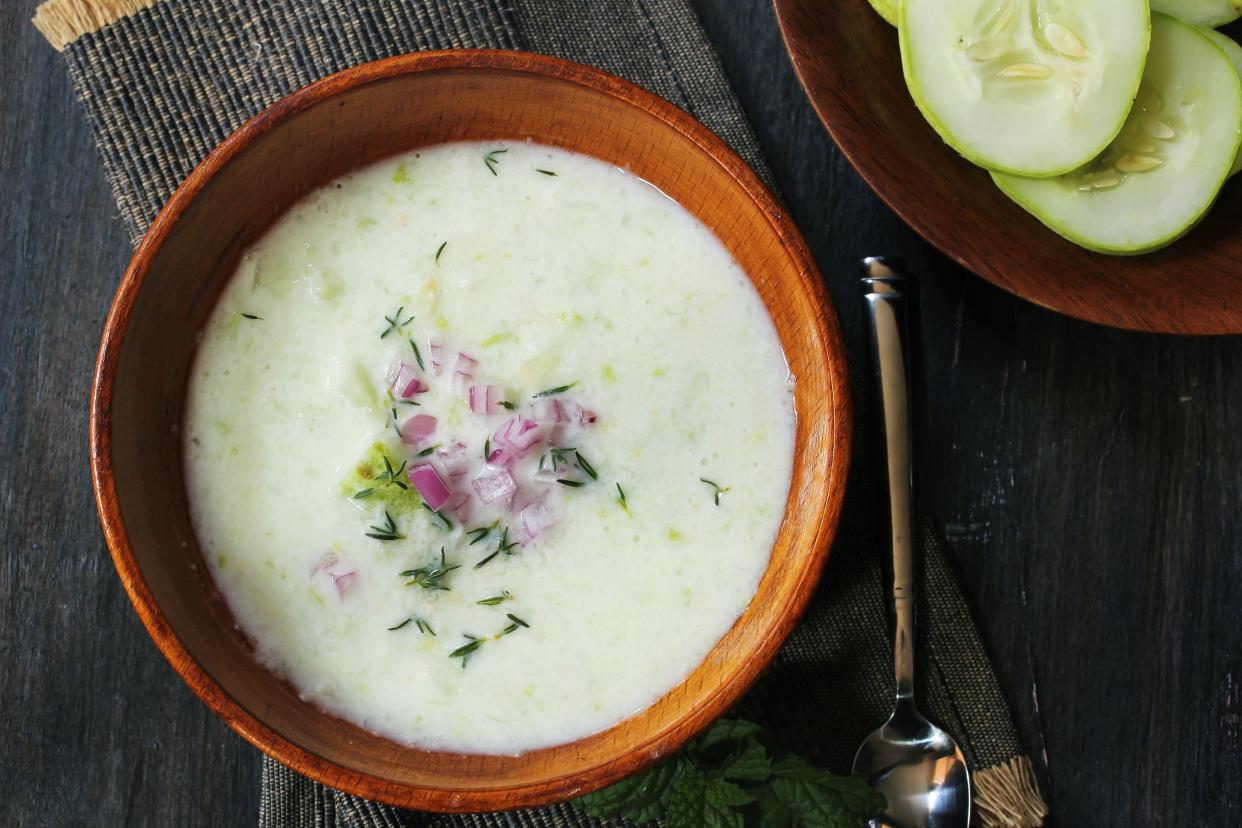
656,745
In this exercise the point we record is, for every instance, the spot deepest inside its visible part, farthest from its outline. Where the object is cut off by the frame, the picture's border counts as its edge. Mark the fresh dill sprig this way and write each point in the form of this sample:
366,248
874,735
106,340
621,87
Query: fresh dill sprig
506,405
465,651
386,532
495,599
448,524
418,355
548,392
390,476
396,426
252,316
573,484
621,499
482,532
558,456
395,322
424,627
486,560
718,490
440,250
515,623
544,172
503,544
399,626
362,494
430,577
425,452
487,448
585,466
491,161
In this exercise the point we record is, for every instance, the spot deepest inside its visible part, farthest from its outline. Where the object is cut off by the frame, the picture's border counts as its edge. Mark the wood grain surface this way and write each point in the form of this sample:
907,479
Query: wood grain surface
847,58
1088,480
302,143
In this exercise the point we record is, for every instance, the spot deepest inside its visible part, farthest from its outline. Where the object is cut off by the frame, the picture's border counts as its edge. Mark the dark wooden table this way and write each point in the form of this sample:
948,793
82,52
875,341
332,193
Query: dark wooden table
1089,481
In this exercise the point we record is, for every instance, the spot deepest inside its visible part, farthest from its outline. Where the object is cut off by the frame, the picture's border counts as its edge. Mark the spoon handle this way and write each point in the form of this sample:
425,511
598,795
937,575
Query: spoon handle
887,304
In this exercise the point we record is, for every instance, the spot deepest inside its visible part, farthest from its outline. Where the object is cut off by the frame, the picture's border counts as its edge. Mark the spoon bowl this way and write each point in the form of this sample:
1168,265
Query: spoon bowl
919,769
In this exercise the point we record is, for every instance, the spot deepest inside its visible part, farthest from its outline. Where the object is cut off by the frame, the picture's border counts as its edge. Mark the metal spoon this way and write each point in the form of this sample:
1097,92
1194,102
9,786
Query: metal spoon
915,764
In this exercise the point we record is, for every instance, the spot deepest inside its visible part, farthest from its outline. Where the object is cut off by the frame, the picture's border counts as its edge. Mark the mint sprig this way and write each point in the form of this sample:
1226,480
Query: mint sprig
734,776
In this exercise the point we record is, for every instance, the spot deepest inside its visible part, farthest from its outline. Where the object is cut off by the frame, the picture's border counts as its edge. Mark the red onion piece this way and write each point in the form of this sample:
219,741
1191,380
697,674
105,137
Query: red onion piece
465,365
548,410
454,459
429,484
437,355
501,458
537,517
575,413
404,380
520,434
343,582
417,429
485,399
459,505
493,484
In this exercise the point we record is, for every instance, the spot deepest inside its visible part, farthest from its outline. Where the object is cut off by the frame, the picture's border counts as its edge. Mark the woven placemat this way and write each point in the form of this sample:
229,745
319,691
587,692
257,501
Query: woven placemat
164,81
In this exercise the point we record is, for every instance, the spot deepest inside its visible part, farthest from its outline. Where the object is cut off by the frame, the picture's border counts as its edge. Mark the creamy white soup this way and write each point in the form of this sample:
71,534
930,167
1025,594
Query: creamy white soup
487,446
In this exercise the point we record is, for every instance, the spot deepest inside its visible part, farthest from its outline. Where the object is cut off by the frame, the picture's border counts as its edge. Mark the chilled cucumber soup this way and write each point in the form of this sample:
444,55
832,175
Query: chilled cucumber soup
487,446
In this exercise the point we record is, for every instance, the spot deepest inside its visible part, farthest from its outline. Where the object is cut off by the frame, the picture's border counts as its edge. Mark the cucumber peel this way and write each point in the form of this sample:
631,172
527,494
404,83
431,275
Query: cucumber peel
1166,166
1030,87
1234,52
1210,13
886,9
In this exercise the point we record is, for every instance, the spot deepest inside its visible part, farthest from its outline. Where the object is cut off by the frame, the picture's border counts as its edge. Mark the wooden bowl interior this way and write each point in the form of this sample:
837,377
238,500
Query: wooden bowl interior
301,144
848,60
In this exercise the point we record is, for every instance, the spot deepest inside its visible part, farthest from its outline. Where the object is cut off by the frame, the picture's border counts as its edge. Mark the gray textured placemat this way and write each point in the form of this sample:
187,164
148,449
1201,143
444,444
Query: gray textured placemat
164,81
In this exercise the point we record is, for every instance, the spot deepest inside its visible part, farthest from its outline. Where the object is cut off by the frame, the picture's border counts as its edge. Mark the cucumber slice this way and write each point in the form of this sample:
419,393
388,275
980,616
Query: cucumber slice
1164,170
1234,52
886,9
1200,12
1030,87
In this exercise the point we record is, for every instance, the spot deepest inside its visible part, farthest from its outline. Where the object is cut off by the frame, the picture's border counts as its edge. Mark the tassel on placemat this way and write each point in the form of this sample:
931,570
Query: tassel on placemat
1007,795
64,21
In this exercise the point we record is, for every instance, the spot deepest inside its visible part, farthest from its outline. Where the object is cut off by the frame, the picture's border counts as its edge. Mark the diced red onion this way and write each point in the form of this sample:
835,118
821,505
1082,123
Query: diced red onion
548,410
430,485
417,429
521,434
465,365
404,380
501,458
454,459
574,412
493,484
537,517
343,582
459,505
437,355
484,399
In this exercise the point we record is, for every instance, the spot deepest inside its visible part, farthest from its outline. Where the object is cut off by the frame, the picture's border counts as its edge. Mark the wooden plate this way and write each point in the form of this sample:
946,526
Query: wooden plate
305,141
848,61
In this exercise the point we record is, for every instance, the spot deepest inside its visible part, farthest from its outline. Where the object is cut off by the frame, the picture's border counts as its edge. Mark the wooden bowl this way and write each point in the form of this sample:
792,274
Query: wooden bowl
848,61
302,142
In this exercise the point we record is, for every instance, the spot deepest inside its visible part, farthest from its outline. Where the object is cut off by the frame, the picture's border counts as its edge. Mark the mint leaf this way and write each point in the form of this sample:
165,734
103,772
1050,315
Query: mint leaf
751,764
642,798
697,801
818,799
726,730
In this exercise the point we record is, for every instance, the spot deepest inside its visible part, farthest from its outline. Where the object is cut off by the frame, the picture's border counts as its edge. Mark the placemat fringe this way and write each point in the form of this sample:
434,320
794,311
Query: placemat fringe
64,21
1007,795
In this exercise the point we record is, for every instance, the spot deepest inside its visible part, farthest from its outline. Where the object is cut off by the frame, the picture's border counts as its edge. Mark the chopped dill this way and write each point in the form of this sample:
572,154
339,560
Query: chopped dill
387,531
448,524
544,172
252,316
548,392
418,355
491,161
430,577
395,322
585,466
440,250
717,489
621,499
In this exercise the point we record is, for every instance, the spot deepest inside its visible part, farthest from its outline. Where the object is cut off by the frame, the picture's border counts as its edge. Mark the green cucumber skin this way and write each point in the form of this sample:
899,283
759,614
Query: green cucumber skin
1224,11
1156,244
946,135
1234,52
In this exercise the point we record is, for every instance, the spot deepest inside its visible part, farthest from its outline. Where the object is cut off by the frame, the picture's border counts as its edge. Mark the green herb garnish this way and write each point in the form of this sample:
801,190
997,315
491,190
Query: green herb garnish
448,524
558,456
495,599
585,466
621,499
395,322
544,172
440,250
573,484
506,405
482,532
363,494
418,356
252,316
548,392
386,532
718,490
424,627
402,624
391,476
492,161
430,577
734,775
466,650
486,560
487,448
426,451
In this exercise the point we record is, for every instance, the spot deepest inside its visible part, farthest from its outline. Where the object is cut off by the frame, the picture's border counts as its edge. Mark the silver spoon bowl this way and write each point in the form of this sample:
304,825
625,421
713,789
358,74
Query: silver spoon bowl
916,765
